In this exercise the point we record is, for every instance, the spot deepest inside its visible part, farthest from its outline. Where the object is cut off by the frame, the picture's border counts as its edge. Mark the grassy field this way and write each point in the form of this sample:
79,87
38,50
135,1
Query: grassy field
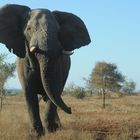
119,121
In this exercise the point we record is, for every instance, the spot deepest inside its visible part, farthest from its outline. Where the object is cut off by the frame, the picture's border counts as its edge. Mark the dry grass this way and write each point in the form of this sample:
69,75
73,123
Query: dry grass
119,121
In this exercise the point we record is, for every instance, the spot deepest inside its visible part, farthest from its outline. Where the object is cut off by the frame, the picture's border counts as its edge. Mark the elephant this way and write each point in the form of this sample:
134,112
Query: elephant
43,41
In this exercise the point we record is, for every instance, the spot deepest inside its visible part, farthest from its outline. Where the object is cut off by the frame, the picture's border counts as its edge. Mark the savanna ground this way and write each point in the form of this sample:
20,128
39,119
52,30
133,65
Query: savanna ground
119,121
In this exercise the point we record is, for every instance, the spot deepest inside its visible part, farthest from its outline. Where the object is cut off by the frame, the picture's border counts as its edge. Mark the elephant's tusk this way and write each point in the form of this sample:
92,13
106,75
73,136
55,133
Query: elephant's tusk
67,52
33,49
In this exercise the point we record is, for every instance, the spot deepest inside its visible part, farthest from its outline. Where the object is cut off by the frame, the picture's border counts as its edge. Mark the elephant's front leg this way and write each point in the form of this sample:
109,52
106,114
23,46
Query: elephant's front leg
51,117
30,84
33,109
30,89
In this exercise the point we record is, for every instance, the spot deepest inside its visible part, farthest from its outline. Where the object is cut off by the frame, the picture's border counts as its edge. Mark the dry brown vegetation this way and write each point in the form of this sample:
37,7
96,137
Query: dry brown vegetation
119,121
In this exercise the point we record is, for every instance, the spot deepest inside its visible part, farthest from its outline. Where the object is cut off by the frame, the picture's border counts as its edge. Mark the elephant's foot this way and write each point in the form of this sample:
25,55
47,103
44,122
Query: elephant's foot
52,126
38,131
37,134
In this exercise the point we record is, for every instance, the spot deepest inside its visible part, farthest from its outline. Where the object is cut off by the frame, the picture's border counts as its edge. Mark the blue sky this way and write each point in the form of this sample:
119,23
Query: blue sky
114,28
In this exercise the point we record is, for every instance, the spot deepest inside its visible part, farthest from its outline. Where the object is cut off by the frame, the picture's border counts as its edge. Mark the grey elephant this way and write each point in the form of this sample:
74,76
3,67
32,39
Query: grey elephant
43,41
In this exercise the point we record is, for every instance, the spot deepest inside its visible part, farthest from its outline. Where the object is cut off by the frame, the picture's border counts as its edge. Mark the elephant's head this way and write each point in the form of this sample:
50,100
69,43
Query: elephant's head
65,31
12,19
46,33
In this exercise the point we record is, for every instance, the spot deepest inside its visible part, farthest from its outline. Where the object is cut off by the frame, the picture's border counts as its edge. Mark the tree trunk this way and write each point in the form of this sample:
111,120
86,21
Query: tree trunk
103,94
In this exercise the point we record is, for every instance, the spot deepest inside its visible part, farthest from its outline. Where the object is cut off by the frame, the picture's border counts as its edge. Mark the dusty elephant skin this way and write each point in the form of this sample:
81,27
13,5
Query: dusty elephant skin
42,40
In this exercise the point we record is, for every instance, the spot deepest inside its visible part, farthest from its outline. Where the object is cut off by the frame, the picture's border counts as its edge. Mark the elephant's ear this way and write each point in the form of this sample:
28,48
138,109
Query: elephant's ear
73,32
12,18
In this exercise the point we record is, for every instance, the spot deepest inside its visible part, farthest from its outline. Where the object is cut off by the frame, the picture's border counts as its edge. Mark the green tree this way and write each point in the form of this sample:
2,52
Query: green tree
6,71
105,77
129,86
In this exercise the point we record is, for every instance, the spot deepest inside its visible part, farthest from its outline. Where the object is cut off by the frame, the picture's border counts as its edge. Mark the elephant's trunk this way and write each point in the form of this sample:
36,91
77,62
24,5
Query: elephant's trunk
50,84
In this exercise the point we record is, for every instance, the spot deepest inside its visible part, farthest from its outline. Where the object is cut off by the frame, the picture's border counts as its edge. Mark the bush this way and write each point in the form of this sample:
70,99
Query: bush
79,92
75,91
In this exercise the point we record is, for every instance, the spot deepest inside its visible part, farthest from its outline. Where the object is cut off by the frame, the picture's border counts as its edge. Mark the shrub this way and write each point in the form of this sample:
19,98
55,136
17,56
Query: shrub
79,92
